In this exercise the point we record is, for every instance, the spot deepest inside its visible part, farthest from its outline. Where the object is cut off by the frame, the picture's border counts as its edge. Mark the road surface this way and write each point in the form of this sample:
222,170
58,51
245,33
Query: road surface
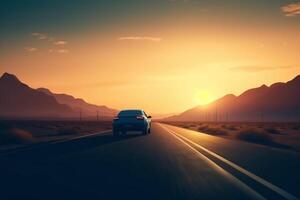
169,163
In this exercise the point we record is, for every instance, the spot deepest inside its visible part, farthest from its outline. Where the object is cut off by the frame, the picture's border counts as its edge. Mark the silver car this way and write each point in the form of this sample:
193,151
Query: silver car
131,120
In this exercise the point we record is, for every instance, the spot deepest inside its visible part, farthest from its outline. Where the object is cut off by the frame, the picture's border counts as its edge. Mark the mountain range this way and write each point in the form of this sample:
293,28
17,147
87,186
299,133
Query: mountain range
18,100
278,102
78,104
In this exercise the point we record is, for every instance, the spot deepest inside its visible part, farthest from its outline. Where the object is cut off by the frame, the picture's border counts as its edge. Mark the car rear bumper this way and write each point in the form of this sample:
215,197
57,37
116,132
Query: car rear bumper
130,127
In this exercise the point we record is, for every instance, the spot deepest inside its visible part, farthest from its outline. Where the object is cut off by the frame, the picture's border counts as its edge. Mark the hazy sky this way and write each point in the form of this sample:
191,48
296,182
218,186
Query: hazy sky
160,55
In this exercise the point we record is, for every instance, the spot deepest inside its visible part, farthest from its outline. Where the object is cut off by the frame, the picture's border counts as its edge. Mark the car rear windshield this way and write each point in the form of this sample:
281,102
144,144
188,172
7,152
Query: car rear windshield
129,113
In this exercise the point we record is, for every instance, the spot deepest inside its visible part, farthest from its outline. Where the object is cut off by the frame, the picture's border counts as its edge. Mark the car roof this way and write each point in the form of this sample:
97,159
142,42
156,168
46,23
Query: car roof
131,110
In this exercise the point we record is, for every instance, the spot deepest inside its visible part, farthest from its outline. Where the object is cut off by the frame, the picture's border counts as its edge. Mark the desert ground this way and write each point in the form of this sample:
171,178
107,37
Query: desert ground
278,135
15,133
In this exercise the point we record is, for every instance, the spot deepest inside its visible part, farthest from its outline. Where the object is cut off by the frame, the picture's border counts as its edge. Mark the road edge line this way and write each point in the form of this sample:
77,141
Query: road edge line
258,179
237,181
26,148
82,136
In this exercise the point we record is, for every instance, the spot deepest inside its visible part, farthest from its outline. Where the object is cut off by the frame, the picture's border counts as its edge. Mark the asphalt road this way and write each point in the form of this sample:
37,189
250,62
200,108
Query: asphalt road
169,163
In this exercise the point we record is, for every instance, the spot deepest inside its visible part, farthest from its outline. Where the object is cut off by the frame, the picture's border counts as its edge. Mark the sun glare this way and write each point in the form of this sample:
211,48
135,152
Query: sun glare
203,97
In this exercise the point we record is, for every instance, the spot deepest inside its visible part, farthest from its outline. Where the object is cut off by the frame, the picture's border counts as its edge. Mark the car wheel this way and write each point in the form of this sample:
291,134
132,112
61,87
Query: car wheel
145,131
115,133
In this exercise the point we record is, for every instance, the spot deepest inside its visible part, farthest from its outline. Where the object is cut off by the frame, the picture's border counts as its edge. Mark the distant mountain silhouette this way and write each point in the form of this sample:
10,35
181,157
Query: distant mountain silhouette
19,100
79,104
279,102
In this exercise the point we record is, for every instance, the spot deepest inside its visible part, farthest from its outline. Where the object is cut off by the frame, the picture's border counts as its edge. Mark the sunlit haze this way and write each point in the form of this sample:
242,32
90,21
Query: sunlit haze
159,55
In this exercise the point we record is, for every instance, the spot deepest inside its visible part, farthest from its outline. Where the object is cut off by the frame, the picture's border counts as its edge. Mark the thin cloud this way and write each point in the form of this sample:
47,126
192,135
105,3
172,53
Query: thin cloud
39,36
99,84
260,68
178,0
60,42
62,51
291,9
30,49
56,46
138,38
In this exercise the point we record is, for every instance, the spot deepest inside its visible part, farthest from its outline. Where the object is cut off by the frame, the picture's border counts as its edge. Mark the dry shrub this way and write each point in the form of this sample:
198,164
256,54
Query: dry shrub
212,131
67,131
53,127
10,135
23,135
203,128
255,136
78,128
230,127
233,128
273,130
185,126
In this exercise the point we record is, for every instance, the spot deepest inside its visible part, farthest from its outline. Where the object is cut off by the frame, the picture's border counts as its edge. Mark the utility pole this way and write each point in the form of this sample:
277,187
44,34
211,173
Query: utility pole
80,114
216,113
97,115
262,116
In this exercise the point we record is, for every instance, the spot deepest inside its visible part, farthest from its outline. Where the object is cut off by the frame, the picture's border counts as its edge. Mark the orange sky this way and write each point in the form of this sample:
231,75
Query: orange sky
162,66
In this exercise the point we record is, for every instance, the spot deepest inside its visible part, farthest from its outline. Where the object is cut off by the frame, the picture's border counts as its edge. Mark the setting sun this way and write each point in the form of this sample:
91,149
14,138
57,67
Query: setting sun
203,97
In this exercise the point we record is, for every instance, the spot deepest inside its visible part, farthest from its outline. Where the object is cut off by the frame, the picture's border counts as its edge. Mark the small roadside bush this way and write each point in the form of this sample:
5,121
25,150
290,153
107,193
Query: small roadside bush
67,131
255,136
203,128
10,135
212,131
230,127
273,130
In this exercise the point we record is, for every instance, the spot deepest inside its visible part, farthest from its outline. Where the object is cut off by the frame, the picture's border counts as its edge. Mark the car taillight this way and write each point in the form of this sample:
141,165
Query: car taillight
140,117
116,118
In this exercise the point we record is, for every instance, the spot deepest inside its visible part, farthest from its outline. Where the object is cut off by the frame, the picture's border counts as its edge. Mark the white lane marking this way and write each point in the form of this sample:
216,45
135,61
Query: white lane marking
82,136
267,184
236,181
